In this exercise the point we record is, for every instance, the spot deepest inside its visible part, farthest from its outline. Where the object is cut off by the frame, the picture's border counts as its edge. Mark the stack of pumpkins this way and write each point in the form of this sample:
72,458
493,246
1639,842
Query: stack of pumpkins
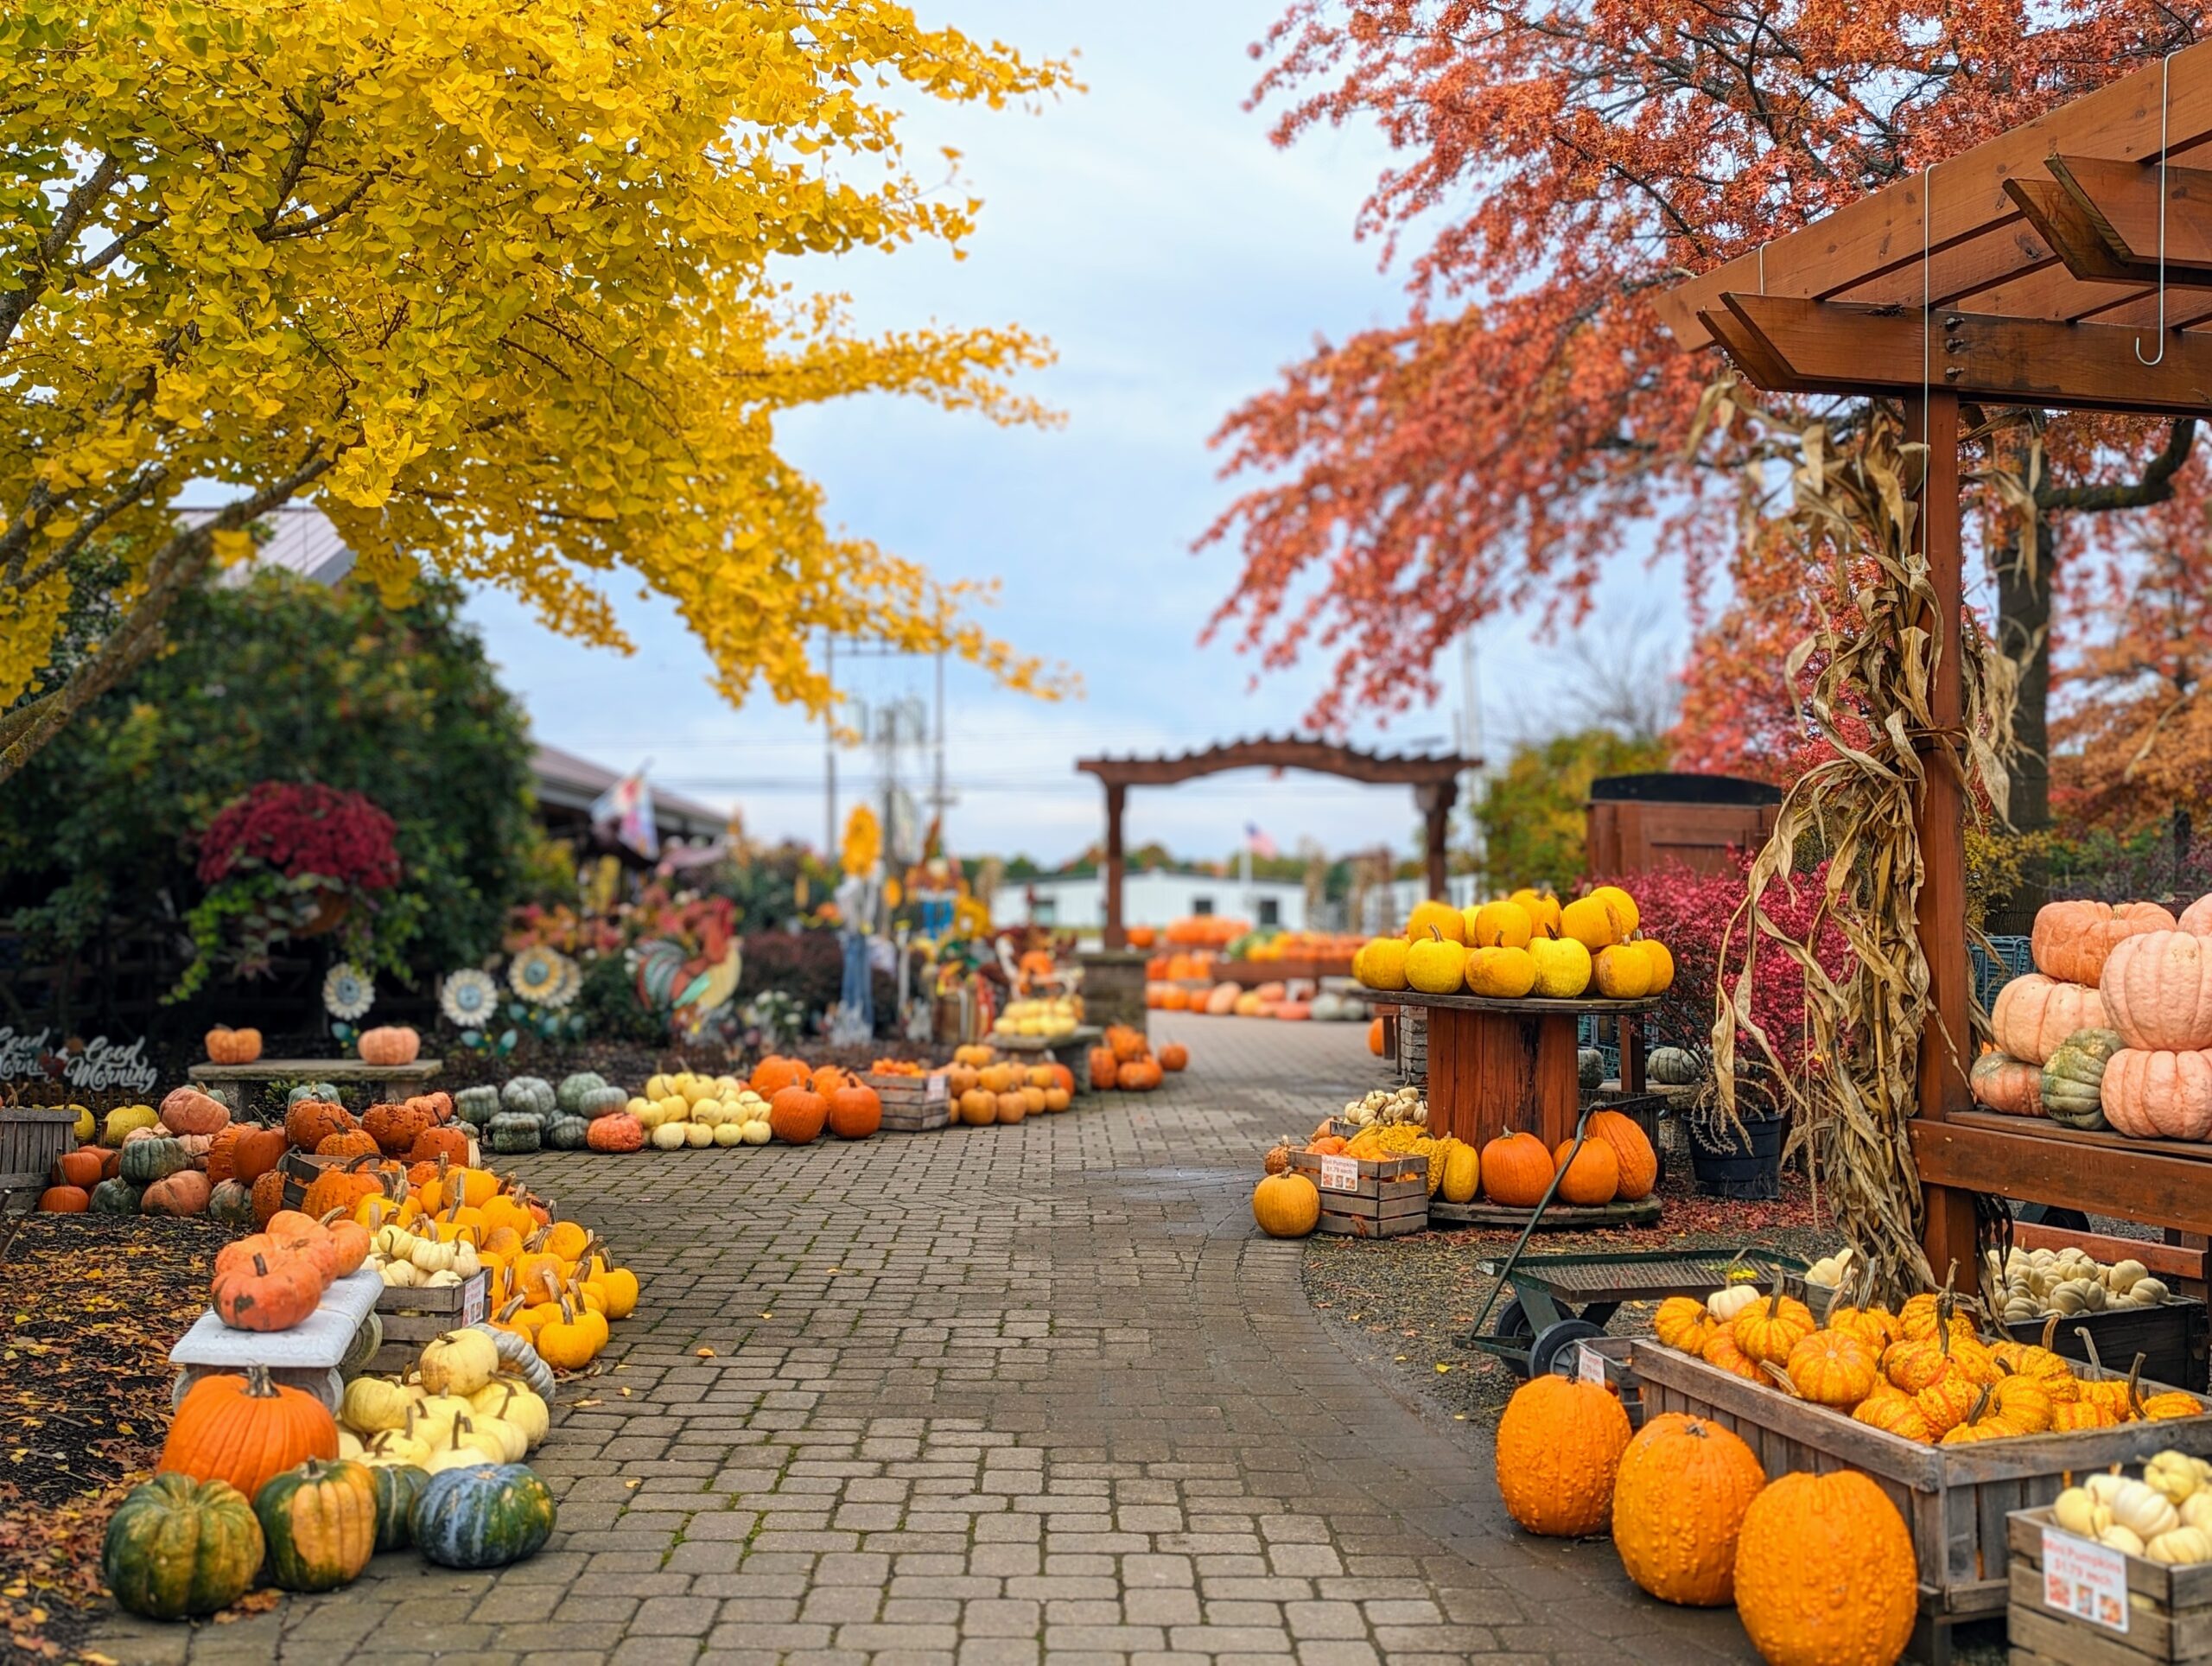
256,1477
1820,1567
1126,1060
986,1091
275,1279
2113,1027
528,1113
1616,1164
186,1157
1921,1373
1522,946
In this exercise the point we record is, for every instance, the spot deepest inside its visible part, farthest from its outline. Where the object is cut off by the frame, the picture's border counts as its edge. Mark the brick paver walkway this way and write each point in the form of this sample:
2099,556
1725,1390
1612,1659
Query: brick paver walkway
1010,1396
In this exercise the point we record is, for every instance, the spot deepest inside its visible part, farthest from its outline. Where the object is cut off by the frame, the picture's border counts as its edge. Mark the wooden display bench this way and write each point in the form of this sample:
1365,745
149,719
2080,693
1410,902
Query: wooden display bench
1955,1500
339,1073
1497,1066
1069,1050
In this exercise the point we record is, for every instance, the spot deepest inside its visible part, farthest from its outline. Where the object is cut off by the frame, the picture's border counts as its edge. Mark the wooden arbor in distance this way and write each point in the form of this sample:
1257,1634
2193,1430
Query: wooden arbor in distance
1433,777
2022,272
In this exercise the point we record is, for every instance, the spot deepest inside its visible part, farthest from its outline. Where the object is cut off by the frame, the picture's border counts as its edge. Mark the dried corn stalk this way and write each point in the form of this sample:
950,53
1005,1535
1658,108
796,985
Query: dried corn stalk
1852,508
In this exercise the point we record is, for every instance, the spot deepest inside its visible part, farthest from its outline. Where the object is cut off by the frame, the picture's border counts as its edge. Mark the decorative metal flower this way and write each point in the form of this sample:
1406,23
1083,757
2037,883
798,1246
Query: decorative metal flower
348,992
572,983
469,998
541,975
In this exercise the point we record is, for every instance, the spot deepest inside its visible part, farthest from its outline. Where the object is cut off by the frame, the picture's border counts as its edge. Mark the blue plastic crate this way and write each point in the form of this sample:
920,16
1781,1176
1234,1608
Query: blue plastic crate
1990,975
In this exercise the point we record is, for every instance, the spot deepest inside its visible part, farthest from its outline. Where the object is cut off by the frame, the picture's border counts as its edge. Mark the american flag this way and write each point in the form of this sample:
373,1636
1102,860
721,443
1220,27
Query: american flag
1258,843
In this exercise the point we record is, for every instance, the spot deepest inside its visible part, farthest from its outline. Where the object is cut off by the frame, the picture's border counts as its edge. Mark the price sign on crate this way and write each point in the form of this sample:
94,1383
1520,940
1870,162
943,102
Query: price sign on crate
2087,1580
1339,1174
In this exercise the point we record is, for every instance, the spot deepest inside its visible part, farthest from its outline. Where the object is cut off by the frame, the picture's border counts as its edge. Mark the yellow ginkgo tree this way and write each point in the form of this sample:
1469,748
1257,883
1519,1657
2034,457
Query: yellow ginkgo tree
495,282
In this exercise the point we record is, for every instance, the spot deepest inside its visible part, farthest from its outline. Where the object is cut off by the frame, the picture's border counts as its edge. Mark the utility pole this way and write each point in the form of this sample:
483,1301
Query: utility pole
1471,746
939,799
830,750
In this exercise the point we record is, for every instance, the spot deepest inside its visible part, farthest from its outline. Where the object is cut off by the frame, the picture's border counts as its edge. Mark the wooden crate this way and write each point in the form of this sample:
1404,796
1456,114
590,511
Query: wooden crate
2168,1611
302,1170
1954,1500
2170,1336
1368,1198
32,1140
412,1317
913,1104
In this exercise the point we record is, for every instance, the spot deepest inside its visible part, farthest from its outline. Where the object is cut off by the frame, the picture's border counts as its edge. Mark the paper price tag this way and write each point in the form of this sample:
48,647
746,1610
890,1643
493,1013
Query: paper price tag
935,1092
1589,1364
472,1300
1339,1174
2087,1580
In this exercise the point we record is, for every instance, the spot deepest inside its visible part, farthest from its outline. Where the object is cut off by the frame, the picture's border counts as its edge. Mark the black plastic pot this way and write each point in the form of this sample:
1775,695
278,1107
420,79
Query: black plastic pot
1745,1165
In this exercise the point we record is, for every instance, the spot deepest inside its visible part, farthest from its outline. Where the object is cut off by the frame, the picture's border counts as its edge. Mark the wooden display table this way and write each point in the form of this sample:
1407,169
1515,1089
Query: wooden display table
1068,1050
339,1073
1495,1065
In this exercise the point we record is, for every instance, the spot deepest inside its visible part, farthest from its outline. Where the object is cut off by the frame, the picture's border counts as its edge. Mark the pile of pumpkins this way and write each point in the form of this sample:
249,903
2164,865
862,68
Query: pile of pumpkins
783,1100
1292,1002
1125,1060
259,1480
1054,1017
1615,1162
1819,1568
2163,1516
2037,1283
1921,1373
2113,1027
986,1091
1528,943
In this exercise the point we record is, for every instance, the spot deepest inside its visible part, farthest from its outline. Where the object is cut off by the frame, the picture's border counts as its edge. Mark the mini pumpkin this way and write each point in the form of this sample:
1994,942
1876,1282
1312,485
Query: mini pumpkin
1769,1331
1833,1368
228,1047
388,1044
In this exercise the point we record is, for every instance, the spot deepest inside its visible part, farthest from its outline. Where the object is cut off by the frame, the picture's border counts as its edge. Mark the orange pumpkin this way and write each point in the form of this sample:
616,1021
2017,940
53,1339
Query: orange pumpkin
272,1292
256,1152
184,1192
188,1110
81,1167
1063,1077
311,1122
434,1143
795,1115
1637,1163
774,1073
1374,1037
1125,1043
348,1143
855,1111
827,1079
1105,1068
64,1200
228,1047
1515,1169
389,1044
268,1196
1175,1056
393,1128
1589,1177
245,1429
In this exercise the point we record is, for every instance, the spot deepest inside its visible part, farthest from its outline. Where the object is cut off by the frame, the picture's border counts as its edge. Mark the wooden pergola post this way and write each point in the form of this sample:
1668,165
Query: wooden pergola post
1434,799
1948,1231
1117,936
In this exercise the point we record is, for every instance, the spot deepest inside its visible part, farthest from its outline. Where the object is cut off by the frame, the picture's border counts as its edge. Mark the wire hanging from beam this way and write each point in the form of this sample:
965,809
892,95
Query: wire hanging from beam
2165,110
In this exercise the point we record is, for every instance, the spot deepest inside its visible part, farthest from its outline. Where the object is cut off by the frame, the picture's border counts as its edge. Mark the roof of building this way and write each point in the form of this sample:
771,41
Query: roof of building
576,783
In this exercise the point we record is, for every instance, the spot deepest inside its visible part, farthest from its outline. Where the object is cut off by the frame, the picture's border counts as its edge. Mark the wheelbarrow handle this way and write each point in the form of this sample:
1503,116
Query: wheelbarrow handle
1535,1217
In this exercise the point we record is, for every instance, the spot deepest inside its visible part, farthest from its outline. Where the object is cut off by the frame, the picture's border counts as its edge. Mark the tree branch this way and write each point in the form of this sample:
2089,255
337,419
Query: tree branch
2156,485
87,192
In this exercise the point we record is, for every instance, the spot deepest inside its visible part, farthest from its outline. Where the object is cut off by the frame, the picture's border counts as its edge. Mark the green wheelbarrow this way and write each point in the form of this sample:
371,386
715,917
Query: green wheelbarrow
1559,1300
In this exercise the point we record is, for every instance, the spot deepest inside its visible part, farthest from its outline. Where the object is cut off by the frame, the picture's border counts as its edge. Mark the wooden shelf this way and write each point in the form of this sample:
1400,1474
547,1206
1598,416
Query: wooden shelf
1527,1006
2158,1182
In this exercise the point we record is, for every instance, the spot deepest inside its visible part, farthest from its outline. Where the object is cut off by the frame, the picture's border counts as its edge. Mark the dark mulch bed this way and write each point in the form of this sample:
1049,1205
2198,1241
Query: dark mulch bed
1406,1305
92,1305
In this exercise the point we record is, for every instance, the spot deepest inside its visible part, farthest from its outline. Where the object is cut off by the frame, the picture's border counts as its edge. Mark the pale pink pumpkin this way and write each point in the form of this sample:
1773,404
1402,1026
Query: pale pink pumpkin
2034,1014
2158,991
2004,1083
2159,1096
2072,939
2197,917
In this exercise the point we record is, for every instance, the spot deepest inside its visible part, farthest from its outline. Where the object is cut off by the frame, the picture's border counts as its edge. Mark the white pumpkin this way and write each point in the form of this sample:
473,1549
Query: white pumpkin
757,1133
373,1404
2180,1547
1731,1300
459,1363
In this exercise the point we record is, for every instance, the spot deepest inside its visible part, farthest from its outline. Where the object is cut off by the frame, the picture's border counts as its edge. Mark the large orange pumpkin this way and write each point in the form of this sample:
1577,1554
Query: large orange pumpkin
1588,1177
1679,1500
64,1200
256,1152
1825,1572
188,1110
81,1167
2072,940
311,1122
827,1079
1515,1169
1559,1446
393,1128
774,1073
795,1115
245,1429
2034,1014
2157,991
1633,1157
855,1111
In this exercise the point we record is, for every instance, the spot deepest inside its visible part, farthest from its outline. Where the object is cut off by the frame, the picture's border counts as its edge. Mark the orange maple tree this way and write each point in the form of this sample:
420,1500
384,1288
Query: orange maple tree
1554,165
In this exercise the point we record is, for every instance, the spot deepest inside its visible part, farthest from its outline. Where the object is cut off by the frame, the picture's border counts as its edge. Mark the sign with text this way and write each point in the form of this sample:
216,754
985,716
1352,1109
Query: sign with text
1589,1364
2087,1580
1339,1174
95,1065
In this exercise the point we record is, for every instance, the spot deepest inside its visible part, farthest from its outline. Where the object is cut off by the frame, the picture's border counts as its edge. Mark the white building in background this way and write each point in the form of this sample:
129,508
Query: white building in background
1066,903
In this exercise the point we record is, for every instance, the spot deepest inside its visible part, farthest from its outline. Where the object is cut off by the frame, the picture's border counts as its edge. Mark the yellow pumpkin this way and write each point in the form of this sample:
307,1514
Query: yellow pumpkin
1286,1205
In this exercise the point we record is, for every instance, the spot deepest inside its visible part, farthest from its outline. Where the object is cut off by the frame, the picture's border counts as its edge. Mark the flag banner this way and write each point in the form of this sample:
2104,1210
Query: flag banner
628,808
1258,843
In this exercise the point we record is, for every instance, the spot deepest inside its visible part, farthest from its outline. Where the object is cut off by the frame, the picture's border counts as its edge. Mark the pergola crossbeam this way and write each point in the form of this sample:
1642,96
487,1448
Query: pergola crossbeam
2121,200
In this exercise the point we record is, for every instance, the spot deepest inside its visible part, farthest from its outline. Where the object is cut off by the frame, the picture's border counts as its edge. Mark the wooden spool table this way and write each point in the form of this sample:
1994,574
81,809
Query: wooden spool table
339,1073
1068,1050
1496,1066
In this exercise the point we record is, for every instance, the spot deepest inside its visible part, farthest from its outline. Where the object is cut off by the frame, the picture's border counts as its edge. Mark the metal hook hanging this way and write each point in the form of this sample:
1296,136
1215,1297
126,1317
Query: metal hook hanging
1927,311
2165,107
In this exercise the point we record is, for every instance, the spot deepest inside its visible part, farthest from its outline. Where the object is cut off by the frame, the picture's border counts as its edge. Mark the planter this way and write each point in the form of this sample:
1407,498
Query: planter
1743,1163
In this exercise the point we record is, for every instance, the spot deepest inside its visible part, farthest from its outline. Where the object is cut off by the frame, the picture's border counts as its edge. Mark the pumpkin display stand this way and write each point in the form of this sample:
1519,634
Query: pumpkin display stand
307,1357
337,1071
1071,1050
2169,1614
1496,1066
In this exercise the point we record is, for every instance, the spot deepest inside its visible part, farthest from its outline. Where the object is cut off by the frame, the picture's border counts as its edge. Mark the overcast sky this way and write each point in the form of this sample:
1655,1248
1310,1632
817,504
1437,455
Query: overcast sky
1177,260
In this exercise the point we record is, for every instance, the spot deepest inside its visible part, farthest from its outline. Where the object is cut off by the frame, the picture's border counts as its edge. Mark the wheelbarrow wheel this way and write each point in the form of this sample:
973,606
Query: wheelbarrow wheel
1512,1325
1554,1349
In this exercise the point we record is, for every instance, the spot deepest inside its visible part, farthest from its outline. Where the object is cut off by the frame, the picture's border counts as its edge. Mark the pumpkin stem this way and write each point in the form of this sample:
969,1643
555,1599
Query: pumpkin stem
257,1385
2135,1386
2049,1331
2090,1343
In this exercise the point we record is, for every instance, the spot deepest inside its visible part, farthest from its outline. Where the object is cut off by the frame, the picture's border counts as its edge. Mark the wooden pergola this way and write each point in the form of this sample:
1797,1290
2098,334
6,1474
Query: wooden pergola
2034,270
1434,777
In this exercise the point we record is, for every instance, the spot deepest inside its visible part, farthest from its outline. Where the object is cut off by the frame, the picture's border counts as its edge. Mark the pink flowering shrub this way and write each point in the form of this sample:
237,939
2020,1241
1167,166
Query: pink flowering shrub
298,828
1690,913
